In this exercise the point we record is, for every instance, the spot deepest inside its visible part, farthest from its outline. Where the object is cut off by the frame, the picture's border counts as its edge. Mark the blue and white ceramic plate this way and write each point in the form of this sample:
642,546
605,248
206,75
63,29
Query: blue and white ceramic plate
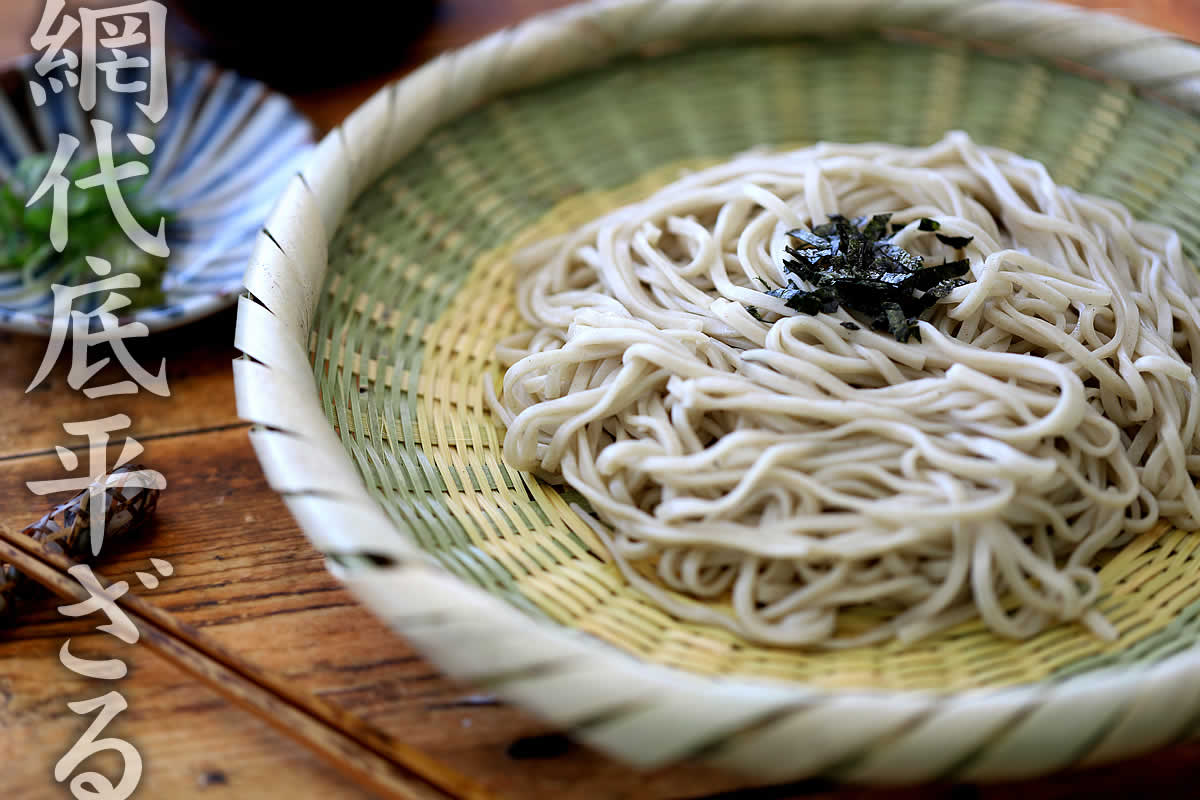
224,152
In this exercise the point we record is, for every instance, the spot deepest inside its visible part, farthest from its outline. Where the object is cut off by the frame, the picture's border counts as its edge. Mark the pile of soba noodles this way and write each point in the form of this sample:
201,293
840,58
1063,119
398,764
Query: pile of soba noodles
778,473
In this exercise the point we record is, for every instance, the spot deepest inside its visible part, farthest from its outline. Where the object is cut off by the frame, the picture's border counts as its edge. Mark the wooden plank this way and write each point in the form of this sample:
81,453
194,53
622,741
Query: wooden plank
199,378
1178,16
246,576
191,741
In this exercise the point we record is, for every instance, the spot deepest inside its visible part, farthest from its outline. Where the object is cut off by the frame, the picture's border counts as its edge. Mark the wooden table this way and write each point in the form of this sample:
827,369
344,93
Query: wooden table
246,576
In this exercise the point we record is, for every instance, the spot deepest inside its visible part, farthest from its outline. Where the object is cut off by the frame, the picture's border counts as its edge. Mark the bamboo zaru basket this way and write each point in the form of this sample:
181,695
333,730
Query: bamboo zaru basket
382,283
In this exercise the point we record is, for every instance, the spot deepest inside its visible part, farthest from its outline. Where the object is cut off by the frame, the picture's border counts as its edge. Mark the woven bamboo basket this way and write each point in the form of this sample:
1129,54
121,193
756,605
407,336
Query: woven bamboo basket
381,284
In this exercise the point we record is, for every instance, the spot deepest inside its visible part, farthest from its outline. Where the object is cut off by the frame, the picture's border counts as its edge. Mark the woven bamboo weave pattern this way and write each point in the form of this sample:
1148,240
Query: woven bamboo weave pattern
418,292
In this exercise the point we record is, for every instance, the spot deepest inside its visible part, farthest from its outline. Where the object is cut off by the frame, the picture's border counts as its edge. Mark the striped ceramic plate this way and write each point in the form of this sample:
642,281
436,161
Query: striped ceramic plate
223,153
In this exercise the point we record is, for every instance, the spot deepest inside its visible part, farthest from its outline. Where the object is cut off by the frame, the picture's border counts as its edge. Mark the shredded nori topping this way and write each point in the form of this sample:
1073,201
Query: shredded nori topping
853,264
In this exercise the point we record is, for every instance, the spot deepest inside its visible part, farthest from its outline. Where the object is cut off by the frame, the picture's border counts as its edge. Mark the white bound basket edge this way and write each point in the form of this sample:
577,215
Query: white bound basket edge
772,732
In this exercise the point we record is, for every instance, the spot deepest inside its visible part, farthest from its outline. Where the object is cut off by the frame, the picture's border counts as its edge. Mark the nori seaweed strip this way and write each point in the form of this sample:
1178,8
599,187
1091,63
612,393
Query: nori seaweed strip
811,239
812,255
830,228
944,288
931,276
898,323
899,256
957,242
851,243
784,291
876,228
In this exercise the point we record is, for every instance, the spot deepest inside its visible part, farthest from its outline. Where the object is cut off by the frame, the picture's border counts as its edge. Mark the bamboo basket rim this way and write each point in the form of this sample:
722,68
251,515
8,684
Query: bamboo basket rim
532,663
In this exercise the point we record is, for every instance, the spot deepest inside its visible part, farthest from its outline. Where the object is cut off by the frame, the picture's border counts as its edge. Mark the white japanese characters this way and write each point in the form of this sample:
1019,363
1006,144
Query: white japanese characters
86,333
118,49
106,36
108,178
93,785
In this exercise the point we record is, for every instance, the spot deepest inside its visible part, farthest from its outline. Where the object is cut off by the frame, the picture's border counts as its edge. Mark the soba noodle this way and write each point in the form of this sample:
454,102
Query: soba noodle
772,475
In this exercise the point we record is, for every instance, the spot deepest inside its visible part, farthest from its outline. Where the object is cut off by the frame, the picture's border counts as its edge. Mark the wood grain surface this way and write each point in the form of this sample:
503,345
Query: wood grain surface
246,576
